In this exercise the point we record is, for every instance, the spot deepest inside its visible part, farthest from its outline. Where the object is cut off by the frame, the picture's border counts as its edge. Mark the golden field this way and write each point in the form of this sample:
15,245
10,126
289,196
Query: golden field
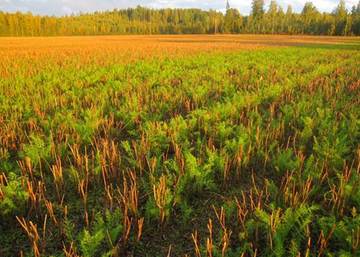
34,54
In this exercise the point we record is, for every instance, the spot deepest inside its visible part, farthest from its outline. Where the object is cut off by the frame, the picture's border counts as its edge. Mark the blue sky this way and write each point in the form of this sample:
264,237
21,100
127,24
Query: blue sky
61,7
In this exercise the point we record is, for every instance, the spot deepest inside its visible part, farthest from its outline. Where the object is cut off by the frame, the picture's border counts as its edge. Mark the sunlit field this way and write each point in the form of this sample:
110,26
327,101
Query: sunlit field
27,56
180,146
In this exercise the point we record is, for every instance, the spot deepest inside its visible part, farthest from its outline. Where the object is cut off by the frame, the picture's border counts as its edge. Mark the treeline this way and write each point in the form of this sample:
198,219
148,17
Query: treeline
140,20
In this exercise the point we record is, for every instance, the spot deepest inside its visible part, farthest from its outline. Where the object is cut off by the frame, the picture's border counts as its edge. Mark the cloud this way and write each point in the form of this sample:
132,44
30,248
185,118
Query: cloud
62,7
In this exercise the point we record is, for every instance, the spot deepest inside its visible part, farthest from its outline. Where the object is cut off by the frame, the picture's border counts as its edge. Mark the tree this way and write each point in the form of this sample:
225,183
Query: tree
271,16
258,9
289,21
309,16
280,20
214,22
233,21
355,16
340,14
257,14
141,20
3,25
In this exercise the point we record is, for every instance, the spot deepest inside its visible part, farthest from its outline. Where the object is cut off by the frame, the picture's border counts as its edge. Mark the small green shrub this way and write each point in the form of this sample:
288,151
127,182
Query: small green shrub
15,197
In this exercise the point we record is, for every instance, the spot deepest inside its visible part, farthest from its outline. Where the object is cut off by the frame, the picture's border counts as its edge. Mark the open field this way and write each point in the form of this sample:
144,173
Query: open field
36,54
180,146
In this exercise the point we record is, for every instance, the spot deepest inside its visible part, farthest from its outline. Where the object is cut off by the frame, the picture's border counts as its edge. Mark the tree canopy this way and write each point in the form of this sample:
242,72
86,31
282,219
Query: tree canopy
140,20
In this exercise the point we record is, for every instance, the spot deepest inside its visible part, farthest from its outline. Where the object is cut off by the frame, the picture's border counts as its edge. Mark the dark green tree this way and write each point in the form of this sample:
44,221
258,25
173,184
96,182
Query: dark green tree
309,17
141,20
257,15
272,17
289,21
341,20
233,21
355,16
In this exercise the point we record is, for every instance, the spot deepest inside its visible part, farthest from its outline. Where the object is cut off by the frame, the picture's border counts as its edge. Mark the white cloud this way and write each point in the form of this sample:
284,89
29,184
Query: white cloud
67,10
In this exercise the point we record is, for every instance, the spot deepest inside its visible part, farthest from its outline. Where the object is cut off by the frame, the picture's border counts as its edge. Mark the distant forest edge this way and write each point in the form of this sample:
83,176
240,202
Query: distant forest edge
140,20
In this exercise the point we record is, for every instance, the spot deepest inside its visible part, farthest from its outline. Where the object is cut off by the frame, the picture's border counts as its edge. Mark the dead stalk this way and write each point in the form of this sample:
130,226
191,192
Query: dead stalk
32,233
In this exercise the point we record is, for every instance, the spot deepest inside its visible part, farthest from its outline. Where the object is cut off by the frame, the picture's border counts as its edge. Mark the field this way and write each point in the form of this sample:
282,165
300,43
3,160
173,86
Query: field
180,146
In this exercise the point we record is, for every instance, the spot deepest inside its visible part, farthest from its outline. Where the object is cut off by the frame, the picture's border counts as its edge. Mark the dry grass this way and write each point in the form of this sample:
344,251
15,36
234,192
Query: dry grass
34,54
224,154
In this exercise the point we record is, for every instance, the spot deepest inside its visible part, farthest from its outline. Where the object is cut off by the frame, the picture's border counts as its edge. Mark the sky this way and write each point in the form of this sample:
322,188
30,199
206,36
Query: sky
64,7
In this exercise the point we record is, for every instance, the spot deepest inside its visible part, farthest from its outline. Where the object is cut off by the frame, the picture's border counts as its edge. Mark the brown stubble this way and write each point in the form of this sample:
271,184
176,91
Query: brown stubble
31,55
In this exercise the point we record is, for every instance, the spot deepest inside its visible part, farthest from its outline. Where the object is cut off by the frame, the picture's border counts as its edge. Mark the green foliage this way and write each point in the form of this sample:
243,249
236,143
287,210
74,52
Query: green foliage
142,20
343,233
15,197
5,163
307,132
89,244
289,225
155,210
111,224
196,180
69,230
37,149
87,127
285,161
266,135
107,228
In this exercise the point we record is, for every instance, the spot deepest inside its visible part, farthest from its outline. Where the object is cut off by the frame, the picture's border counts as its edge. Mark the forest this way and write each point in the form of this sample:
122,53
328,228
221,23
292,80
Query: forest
272,19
